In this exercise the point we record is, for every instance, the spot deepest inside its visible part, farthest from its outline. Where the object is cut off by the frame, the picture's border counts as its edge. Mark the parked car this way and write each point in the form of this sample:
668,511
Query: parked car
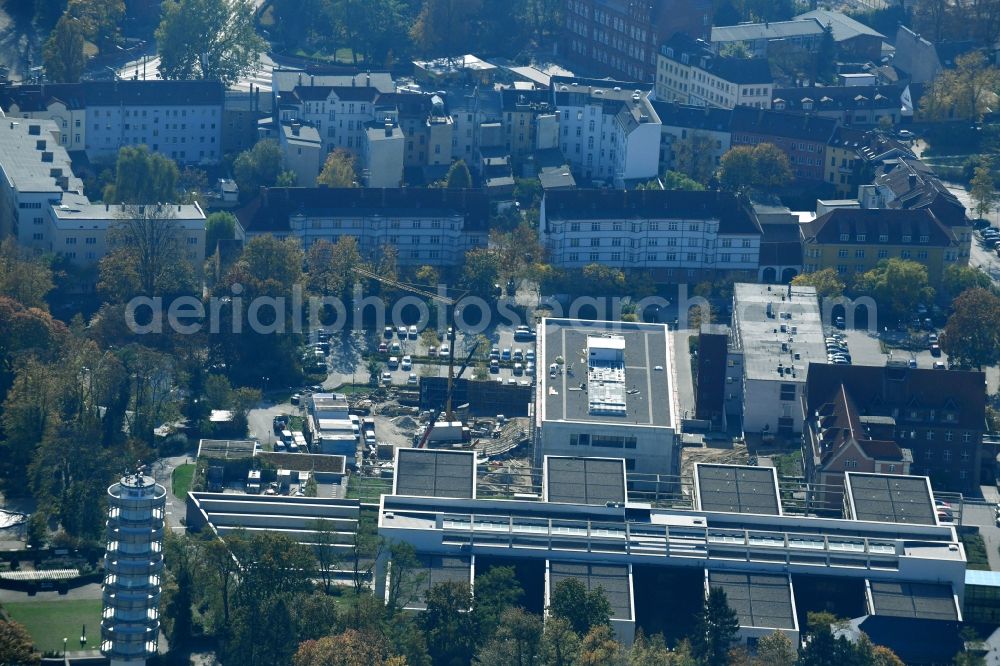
529,355
401,332
412,332
395,348
393,362
939,365
495,353
388,331
494,366
386,377
412,379
932,339
505,354
529,369
383,348
432,351
935,349
518,355
444,351
296,398
840,323
406,363
518,369
913,363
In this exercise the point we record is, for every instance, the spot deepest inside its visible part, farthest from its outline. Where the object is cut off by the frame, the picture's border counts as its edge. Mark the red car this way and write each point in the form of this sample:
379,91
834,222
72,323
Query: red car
383,348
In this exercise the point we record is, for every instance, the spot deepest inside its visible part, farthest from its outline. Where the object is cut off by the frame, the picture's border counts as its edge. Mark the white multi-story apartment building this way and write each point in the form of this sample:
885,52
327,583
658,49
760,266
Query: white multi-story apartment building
180,119
339,113
777,332
384,155
607,133
677,235
78,230
608,419
34,173
689,73
428,226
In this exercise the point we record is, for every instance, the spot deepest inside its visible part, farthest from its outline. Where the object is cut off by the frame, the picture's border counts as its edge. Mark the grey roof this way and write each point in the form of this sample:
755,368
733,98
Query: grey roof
929,601
584,480
428,473
776,30
760,600
738,489
226,449
286,79
613,580
889,498
766,347
647,389
434,569
843,27
28,160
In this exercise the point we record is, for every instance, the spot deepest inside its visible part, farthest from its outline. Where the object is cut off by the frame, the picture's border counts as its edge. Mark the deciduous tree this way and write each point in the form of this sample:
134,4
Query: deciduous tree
219,226
775,649
964,92
982,188
258,167
208,39
25,278
450,628
458,177
142,177
338,170
63,52
583,609
897,285
957,279
827,282
16,646
971,337
694,157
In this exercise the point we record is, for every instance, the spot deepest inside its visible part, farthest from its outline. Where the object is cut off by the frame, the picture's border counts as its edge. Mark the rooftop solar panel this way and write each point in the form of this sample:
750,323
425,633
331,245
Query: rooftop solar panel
613,580
760,600
428,473
931,601
434,569
585,480
890,498
736,489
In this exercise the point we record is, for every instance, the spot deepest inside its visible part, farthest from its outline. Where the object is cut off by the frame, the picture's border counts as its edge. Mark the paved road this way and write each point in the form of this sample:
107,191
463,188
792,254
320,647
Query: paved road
163,470
91,591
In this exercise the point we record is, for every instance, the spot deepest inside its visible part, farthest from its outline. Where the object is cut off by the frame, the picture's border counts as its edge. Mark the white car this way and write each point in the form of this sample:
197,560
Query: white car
413,332
393,362
518,369
406,363
412,379
444,351
386,377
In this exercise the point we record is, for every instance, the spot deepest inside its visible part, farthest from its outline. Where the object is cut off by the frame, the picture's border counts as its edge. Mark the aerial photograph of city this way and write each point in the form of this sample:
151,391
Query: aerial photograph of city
499,333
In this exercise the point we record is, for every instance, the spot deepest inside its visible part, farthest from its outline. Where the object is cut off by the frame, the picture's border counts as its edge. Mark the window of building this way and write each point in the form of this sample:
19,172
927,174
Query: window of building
788,392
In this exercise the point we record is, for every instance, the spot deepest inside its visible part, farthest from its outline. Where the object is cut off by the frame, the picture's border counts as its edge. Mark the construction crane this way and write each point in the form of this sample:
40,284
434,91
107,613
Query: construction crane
437,412
449,304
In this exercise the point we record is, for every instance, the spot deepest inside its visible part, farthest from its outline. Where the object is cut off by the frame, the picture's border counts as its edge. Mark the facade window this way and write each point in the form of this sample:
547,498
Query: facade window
788,392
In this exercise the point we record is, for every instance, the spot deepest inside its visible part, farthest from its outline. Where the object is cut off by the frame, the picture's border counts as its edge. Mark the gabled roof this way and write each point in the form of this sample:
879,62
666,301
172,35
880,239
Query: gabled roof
706,118
733,216
882,389
775,30
915,186
112,93
900,227
271,209
827,98
782,124
843,27
697,53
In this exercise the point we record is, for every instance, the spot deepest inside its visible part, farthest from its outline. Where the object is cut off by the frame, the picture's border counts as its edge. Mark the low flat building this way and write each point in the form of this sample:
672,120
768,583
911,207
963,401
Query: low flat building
855,41
678,235
606,388
777,333
801,36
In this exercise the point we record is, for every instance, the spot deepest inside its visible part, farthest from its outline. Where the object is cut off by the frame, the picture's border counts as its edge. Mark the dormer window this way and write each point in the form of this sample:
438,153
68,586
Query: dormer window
807,104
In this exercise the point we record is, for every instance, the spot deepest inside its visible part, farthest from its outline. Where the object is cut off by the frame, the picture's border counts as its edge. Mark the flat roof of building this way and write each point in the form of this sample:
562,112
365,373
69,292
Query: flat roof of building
306,462
929,601
434,569
614,580
431,473
75,211
226,449
760,600
890,498
329,401
584,480
294,517
737,489
777,326
566,396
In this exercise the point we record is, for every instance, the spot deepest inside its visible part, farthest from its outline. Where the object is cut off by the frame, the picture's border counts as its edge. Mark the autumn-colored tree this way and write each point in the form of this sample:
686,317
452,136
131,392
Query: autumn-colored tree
16,646
982,188
350,648
971,337
827,282
964,92
338,170
23,277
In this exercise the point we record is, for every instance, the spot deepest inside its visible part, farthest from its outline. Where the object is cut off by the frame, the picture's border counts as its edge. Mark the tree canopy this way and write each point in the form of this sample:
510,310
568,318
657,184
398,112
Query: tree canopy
208,39
971,338
63,52
716,630
143,177
964,92
897,285
338,170
261,166
458,177
583,609
764,166
827,282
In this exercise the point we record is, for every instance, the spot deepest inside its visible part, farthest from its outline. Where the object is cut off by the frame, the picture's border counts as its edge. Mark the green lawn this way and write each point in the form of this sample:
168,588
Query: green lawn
975,551
49,622
181,480
366,488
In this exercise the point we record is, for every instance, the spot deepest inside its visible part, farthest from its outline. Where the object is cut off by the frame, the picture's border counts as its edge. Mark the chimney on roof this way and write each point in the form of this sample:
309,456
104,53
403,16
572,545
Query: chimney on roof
300,79
296,128
312,80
